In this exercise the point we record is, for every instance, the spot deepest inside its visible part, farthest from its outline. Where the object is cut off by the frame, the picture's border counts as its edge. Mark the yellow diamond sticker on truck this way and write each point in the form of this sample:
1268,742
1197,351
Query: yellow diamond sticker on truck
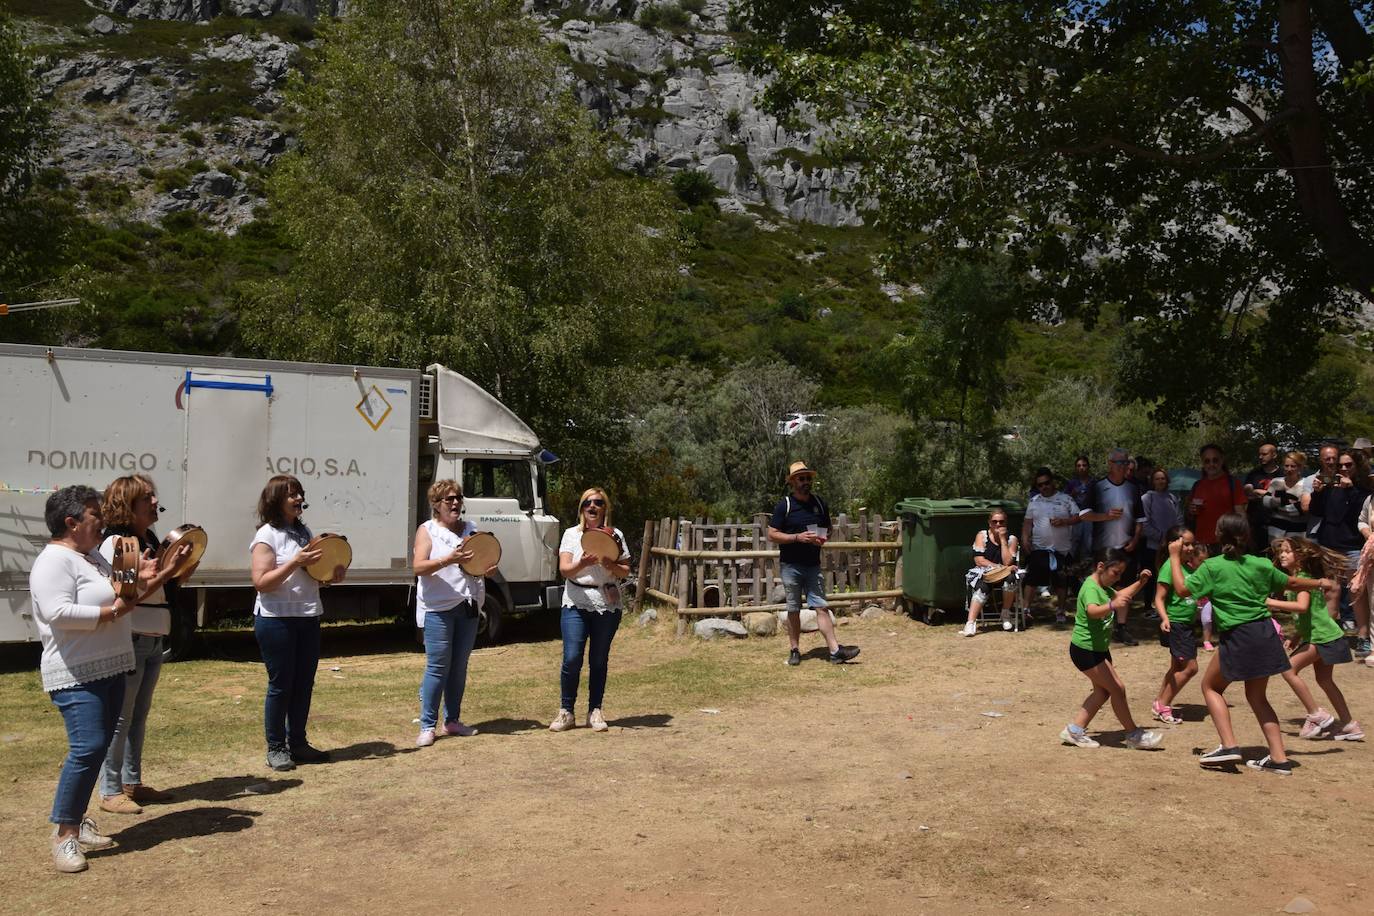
374,408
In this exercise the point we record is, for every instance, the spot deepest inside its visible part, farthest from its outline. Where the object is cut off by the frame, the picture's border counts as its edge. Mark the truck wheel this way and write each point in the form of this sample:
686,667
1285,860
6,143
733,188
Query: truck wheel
489,622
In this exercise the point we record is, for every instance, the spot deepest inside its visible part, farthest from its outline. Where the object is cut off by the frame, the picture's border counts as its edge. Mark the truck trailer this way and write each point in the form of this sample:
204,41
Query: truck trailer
365,442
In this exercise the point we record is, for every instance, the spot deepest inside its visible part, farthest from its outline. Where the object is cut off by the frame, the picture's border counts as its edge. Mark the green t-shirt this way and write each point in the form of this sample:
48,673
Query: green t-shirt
1238,588
1317,626
1094,635
1178,610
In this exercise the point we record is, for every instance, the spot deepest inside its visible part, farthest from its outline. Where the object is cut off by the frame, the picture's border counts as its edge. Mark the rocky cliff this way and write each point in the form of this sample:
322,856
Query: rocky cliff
176,102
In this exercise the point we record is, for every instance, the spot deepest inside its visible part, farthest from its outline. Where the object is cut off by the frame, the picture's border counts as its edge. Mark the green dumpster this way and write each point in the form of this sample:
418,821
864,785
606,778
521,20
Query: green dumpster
937,545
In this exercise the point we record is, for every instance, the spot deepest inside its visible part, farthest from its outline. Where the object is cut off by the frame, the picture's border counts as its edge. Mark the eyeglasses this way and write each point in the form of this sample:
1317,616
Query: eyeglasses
451,498
593,502
999,522
1346,464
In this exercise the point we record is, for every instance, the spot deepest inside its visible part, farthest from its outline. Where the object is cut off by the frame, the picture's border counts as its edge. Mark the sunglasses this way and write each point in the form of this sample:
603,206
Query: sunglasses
999,522
1346,464
450,499
593,502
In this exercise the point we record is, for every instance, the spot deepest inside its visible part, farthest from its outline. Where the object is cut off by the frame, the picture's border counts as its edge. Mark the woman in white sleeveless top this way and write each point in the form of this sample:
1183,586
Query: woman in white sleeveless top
446,606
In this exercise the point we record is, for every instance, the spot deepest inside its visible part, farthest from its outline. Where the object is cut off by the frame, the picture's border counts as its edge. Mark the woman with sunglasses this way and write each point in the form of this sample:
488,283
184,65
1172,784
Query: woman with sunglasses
1283,500
130,509
446,608
994,547
592,607
1336,503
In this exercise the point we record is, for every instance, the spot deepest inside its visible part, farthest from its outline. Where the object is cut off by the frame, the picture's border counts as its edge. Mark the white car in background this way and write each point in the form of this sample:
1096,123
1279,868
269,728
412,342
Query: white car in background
794,423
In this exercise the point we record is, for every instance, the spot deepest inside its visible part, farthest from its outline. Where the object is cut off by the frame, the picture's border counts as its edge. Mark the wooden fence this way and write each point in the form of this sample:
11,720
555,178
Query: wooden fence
704,569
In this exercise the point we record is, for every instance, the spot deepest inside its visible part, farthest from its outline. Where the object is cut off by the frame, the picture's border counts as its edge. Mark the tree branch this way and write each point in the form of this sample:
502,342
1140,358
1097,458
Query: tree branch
1261,130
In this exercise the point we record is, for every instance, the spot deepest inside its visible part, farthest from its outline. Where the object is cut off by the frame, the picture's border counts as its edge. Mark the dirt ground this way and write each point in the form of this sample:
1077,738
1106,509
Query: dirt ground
728,783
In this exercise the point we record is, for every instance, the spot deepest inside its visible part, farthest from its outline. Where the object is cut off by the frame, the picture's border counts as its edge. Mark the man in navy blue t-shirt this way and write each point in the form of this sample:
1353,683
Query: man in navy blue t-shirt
799,526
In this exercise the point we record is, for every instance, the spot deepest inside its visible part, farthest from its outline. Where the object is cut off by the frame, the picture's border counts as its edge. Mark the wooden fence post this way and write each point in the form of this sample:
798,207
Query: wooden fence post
641,582
684,578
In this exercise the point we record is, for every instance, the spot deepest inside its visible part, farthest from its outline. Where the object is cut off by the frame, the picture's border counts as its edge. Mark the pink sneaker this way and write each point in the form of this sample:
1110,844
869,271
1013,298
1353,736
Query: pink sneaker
456,728
426,738
1351,732
1316,723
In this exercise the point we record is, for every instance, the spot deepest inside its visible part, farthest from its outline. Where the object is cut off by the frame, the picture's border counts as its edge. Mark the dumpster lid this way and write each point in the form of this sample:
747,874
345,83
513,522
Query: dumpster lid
962,505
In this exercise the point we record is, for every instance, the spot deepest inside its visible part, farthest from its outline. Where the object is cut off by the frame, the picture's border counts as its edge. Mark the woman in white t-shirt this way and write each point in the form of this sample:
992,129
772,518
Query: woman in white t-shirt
592,607
85,634
129,510
447,603
286,620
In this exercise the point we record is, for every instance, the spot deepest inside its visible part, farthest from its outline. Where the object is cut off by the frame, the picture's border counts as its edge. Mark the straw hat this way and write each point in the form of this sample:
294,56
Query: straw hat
1363,443
799,467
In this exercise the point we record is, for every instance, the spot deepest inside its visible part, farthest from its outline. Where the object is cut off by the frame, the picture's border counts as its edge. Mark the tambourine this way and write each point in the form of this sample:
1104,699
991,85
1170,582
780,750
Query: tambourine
193,536
600,543
486,553
996,574
124,578
334,552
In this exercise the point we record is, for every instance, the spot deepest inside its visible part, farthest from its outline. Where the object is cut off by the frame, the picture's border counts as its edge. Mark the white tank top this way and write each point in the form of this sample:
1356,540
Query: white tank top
449,586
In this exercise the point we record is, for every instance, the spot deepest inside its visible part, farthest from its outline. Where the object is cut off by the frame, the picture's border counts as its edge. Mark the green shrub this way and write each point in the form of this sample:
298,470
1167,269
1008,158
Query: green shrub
694,187
663,16
193,137
693,6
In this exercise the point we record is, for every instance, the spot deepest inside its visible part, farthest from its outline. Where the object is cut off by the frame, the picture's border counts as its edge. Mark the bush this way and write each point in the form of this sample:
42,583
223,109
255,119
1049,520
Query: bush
693,6
694,187
663,16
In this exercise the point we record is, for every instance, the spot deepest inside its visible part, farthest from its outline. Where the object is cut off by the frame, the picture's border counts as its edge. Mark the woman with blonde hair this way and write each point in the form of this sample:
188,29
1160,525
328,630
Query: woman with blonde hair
592,608
130,509
446,607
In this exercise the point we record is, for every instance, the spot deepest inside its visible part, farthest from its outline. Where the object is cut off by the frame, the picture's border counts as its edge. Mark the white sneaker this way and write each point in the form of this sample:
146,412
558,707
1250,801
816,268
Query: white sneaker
596,721
426,738
562,722
67,855
90,836
970,629
1143,739
1006,625
1077,740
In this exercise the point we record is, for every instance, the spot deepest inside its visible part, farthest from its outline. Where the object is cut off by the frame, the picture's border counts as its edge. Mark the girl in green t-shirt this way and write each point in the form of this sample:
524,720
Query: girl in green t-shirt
1251,651
1090,651
1318,639
1177,621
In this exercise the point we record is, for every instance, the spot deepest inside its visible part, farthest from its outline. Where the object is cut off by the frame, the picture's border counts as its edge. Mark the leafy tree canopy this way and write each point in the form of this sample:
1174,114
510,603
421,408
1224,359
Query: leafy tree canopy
450,201
1203,164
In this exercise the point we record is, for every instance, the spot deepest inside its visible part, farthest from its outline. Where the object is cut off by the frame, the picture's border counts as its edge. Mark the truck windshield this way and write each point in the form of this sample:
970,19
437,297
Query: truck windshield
494,478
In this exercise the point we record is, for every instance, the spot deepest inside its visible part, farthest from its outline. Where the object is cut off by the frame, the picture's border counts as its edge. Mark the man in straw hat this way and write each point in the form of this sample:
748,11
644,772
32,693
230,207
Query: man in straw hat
799,526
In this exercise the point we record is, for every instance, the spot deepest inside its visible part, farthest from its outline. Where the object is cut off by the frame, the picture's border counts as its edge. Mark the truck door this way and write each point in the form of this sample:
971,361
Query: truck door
498,496
227,421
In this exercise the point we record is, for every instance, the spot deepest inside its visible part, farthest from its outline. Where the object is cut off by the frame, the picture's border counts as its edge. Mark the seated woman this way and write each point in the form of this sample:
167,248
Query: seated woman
993,548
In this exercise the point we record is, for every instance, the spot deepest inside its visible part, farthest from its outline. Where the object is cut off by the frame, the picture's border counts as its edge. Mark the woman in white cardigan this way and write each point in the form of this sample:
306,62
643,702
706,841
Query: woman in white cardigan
87,650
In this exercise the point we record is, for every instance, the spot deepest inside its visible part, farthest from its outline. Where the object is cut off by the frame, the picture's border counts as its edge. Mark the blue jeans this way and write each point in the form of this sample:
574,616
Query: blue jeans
90,711
290,649
449,638
1347,608
578,627
124,760
798,580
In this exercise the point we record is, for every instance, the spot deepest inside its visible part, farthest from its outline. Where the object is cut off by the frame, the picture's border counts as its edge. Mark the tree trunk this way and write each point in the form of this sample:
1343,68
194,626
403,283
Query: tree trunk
1350,254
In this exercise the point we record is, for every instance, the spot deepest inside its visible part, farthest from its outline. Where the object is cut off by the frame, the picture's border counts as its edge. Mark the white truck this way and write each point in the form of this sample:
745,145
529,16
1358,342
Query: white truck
365,442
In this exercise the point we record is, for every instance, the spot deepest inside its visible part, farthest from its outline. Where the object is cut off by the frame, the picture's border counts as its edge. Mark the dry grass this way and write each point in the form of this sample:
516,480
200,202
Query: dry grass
877,787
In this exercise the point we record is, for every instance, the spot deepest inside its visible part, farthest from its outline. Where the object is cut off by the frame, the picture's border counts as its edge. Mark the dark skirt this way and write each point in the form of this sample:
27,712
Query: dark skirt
1252,650
1335,652
1182,641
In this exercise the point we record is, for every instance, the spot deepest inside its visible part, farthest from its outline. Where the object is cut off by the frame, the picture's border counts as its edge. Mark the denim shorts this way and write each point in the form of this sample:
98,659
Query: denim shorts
798,580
